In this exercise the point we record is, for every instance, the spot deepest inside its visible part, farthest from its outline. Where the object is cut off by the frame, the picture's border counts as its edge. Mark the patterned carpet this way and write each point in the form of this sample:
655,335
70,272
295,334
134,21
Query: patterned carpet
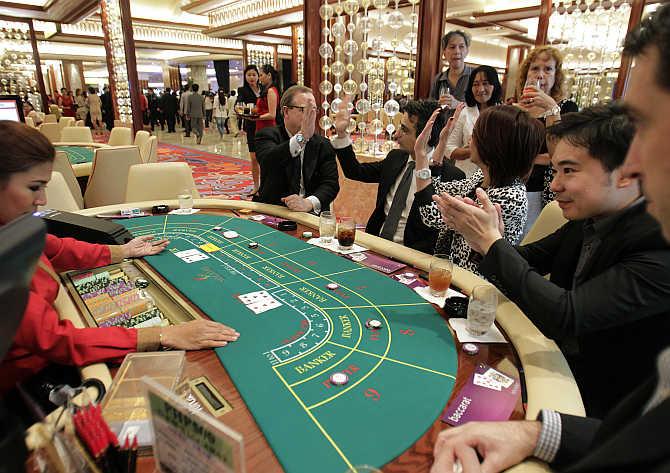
215,175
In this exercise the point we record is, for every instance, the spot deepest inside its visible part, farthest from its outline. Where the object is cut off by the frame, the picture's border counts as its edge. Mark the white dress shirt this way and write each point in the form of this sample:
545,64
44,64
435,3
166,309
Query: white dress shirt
299,151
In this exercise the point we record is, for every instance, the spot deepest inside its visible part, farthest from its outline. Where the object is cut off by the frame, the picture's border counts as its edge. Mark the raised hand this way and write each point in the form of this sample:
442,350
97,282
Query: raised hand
342,117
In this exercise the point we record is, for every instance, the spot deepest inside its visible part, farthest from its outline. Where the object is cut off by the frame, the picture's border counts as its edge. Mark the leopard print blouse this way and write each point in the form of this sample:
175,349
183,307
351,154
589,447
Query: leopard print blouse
511,198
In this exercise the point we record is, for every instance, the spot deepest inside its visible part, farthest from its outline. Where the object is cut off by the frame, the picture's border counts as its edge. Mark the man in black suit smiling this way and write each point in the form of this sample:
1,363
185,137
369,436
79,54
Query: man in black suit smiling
298,167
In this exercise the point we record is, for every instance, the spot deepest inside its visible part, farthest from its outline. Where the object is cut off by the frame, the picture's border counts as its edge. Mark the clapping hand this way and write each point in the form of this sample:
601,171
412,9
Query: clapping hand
342,117
308,120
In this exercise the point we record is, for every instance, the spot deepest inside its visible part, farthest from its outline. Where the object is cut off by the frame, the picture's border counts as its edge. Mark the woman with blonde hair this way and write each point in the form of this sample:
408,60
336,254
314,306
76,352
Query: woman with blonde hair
540,92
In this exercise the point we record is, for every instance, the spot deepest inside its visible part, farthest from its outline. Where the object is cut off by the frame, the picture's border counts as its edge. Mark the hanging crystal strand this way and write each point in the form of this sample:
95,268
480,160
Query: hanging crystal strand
395,21
326,52
377,85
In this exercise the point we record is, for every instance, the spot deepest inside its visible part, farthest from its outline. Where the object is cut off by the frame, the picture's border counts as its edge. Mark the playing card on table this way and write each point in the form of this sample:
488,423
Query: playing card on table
486,382
263,305
191,256
254,297
498,377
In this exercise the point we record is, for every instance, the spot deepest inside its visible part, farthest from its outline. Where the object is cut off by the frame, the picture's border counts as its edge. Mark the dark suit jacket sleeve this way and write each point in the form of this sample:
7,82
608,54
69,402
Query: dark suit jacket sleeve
273,154
577,434
353,169
592,306
328,185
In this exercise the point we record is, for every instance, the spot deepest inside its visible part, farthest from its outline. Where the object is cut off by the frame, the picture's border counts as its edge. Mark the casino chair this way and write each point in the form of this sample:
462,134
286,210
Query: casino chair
550,219
76,134
55,110
30,122
159,181
107,183
66,121
80,123
63,166
141,137
51,131
120,136
50,118
59,196
149,150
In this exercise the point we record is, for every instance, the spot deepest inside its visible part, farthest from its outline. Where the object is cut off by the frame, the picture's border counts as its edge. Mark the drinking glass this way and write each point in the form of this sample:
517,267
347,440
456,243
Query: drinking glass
481,309
439,274
531,85
327,226
346,233
185,201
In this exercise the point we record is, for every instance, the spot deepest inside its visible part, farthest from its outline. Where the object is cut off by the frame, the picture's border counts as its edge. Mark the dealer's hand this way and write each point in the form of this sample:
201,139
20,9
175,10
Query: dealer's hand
143,246
197,334
297,203
480,226
500,445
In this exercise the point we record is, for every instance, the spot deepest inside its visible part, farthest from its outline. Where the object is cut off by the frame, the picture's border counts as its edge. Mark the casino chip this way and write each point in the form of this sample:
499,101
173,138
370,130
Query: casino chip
339,379
141,283
373,324
332,286
230,234
307,234
470,348
409,275
253,244
217,229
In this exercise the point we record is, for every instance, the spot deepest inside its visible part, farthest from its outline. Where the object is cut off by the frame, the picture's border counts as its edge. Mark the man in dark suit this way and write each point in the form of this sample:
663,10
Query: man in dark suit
298,167
394,217
169,107
631,437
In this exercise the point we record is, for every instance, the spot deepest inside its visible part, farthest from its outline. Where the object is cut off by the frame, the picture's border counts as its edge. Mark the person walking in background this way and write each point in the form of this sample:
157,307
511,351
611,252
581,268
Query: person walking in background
95,107
195,112
183,106
248,94
107,107
267,103
169,106
231,120
220,112
209,106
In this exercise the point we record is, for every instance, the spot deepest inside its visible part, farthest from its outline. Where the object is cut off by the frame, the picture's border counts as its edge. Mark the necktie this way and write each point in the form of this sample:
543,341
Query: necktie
398,203
296,173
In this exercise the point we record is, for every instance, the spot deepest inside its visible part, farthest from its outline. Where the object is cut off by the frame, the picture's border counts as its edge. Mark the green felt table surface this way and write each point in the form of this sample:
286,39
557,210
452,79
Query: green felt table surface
77,154
400,377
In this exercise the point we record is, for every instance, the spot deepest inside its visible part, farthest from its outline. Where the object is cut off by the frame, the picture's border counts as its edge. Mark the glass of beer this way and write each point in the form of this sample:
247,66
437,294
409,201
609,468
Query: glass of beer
482,309
346,233
327,226
439,274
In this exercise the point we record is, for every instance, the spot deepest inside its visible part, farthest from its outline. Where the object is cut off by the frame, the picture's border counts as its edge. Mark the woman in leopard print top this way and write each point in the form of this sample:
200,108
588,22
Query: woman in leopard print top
505,141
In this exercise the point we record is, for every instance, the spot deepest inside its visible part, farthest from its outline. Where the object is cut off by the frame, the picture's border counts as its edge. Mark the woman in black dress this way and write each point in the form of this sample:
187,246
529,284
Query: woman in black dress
248,94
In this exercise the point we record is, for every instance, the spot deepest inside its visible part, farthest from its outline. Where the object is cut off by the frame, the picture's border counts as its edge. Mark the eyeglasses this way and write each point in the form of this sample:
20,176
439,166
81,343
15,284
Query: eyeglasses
302,108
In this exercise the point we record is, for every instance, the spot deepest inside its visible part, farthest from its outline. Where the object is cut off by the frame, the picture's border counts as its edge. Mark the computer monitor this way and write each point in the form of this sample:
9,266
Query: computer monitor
21,244
11,108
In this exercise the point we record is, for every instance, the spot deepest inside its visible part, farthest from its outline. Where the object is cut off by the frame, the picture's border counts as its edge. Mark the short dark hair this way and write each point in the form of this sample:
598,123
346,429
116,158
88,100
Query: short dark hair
195,87
451,34
21,148
492,77
653,31
291,92
605,131
422,110
507,140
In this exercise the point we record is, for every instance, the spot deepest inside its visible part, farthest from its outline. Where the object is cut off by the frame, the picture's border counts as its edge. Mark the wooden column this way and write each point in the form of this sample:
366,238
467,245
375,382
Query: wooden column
312,31
131,64
38,69
543,23
626,60
294,53
429,50
515,56
245,56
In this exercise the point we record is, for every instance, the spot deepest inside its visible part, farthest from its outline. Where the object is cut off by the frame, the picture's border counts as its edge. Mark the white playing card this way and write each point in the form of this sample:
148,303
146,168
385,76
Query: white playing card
254,297
191,256
182,254
194,258
483,381
264,305
500,378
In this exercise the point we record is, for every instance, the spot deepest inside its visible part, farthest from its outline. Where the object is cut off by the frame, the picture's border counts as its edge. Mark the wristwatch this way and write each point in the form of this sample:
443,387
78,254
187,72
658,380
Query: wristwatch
300,138
422,173
552,112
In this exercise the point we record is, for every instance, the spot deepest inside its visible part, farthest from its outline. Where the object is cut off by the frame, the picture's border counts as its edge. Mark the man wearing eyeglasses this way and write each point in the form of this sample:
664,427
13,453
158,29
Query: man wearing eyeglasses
298,167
